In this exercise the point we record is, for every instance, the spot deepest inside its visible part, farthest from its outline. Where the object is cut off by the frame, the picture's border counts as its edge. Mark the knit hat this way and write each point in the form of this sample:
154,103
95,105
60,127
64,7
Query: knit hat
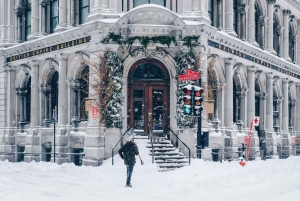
129,135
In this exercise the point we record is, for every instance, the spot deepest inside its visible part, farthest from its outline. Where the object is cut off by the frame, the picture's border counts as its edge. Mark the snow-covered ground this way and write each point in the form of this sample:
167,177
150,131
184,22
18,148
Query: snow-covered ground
271,180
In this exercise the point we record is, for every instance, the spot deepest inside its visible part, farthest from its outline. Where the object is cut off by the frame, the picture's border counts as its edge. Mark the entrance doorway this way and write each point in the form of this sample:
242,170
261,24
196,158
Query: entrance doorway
148,105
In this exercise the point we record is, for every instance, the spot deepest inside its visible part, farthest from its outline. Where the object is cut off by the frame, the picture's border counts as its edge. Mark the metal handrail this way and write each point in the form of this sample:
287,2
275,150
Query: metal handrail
151,138
113,149
182,143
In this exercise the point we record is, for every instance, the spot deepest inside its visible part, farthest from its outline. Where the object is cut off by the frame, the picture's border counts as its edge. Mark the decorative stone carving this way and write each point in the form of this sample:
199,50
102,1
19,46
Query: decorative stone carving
150,52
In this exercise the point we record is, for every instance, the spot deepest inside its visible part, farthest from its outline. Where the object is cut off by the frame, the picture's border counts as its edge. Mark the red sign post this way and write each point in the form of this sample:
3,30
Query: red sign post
95,113
254,122
189,75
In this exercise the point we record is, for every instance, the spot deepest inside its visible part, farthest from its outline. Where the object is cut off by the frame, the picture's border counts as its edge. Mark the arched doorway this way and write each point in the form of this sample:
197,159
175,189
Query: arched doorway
148,97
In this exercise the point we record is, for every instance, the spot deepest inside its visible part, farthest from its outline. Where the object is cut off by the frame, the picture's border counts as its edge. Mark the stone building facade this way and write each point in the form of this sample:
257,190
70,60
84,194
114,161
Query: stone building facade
249,59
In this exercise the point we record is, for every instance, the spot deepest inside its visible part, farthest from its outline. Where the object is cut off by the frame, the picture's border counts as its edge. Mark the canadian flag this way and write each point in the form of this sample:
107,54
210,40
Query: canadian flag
255,121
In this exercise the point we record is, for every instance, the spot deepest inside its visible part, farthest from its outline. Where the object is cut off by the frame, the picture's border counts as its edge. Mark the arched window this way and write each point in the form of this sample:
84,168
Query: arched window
83,92
28,101
141,2
54,93
292,39
212,85
291,106
236,99
257,101
276,31
258,25
148,70
23,12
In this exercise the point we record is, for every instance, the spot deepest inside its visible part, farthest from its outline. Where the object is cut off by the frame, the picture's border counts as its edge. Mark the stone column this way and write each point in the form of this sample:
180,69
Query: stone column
285,105
187,10
242,24
201,12
34,20
269,105
251,22
46,91
228,107
21,92
280,32
32,138
179,7
298,43
270,26
62,14
62,90
229,18
95,10
34,112
251,94
113,6
11,96
168,4
297,114
286,14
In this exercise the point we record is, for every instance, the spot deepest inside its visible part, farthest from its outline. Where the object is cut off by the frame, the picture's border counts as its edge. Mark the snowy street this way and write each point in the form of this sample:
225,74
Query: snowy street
271,180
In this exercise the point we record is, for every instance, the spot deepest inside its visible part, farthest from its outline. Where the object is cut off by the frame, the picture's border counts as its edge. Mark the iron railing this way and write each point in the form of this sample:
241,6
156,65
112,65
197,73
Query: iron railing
151,138
182,143
113,149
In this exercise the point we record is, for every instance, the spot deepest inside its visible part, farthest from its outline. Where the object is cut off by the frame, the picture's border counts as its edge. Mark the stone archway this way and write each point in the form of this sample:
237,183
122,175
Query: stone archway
148,96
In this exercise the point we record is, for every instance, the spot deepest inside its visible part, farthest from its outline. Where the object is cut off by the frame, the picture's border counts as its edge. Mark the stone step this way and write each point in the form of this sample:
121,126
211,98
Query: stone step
160,146
164,154
162,149
169,157
159,142
172,161
167,165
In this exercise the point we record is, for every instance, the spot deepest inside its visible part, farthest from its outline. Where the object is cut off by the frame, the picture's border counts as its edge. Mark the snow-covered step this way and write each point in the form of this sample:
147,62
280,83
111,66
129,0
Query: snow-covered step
160,146
169,157
163,149
172,161
168,165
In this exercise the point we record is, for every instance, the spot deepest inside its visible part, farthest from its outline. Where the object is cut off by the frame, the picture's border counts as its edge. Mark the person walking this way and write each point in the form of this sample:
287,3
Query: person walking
127,153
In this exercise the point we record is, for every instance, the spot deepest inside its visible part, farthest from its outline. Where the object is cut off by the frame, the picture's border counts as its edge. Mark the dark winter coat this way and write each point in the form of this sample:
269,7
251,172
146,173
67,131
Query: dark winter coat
128,152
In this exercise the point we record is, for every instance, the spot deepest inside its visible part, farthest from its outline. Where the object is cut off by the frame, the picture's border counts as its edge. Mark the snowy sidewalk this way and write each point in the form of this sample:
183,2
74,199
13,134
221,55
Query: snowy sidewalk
271,180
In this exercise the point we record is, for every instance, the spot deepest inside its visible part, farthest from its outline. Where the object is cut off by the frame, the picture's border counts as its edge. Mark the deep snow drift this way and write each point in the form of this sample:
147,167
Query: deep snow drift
271,180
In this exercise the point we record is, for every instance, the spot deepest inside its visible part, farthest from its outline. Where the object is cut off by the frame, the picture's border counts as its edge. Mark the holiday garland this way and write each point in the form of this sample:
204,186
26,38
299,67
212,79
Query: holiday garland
183,62
114,104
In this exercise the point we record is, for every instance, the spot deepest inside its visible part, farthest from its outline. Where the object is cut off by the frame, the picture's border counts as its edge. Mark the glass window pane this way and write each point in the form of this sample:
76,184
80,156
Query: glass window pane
158,109
84,13
139,2
54,9
148,71
28,18
84,3
158,2
138,109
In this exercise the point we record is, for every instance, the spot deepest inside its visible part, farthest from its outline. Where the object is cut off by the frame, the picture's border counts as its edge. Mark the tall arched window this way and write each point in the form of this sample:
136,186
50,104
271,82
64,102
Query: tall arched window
236,99
54,93
212,85
257,101
292,39
276,31
141,2
258,25
84,9
23,12
28,100
83,92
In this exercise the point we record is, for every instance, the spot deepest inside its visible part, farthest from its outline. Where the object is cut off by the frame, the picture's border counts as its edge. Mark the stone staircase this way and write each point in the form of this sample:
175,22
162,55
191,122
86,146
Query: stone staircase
166,156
